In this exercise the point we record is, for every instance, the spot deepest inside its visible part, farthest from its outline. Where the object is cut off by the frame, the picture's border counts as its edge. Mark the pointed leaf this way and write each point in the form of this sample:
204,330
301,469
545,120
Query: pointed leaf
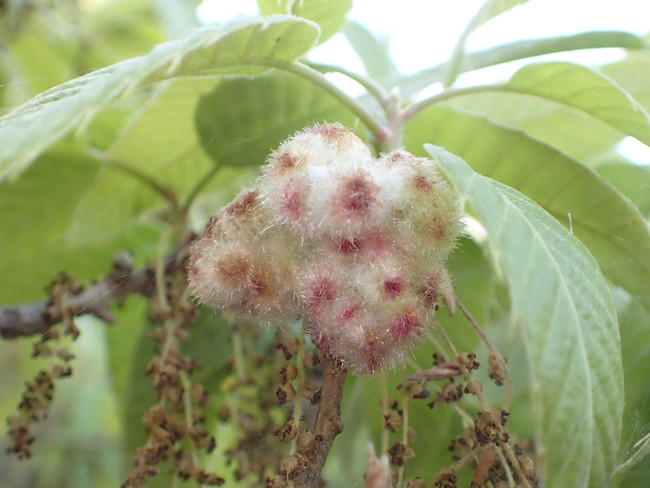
242,120
328,14
373,52
250,42
586,90
492,9
607,223
563,308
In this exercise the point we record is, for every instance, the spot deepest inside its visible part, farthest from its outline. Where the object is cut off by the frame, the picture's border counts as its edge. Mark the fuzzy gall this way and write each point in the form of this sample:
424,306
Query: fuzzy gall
355,245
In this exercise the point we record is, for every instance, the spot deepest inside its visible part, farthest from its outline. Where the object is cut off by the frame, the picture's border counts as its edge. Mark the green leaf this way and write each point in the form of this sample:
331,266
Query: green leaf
36,221
575,133
563,308
328,14
492,9
626,73
635,326
604,220
242,120
583,89
161,141
630,179
373,52
173,159
251,42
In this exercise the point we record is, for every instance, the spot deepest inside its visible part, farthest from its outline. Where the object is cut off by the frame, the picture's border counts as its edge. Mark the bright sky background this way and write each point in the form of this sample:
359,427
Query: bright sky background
422,32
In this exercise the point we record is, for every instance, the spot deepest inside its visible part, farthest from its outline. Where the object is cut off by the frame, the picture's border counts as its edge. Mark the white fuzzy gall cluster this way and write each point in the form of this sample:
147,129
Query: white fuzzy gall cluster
356,245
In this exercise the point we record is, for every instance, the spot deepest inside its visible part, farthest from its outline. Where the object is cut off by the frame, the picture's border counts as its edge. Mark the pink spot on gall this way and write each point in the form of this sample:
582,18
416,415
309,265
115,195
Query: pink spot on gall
394,287
404,326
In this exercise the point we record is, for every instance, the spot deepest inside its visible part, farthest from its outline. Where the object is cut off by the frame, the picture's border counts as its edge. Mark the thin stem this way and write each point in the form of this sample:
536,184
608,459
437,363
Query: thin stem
161,285
413,109
453,66
199,186
187,405
471,382
384,411
159,188
405,425
515,464
506,467
374,88
526,48
458,465
439,347
367,118
238,352
493,350
300,382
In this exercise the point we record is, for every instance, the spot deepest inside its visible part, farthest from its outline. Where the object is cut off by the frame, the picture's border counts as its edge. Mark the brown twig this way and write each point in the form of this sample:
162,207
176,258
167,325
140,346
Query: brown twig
36,318
328,423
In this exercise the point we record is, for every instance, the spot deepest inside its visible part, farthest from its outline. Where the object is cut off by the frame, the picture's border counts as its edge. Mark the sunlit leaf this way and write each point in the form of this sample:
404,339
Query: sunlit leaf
563,307
586,90
626,73
328,14
492,9
251,42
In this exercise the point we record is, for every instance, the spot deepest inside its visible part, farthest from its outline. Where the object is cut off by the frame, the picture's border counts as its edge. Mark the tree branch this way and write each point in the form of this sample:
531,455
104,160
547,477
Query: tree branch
36,318
328,422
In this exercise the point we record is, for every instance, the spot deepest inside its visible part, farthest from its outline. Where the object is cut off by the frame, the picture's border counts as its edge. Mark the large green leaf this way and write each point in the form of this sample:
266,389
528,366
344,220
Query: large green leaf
591,113
161,144
563,307
328,14
242,120
251,42
607,223
36,227
567,129
586,90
